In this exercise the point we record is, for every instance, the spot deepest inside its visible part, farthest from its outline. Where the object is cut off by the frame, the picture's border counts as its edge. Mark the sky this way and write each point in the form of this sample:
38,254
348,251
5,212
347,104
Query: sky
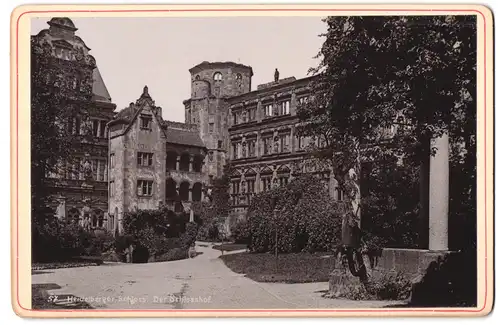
158,52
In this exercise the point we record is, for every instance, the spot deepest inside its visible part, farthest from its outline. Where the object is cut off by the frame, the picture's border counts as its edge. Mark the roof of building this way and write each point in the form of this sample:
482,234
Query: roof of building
63,22
219,65
176,132
184,137
99,87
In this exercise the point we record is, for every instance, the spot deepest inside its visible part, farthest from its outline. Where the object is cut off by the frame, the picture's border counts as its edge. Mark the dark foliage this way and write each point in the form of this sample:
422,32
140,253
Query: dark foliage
306,219
60,241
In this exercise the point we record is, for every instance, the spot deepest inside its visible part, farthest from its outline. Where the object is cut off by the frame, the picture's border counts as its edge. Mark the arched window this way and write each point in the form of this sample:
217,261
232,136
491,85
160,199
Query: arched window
196,194
217,76
171,160
184,191
197,77
238,76
170,190
197,163
184,162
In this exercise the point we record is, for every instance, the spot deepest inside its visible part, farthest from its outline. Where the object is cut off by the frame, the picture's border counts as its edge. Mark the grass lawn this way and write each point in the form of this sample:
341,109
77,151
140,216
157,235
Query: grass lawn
229,247
292,268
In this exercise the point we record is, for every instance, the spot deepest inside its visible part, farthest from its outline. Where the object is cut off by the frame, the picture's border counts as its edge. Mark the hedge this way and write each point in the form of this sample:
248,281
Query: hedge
307,218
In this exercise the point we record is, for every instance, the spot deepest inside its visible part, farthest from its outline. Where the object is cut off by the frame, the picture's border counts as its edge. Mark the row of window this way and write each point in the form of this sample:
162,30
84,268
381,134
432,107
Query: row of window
269,110
145,188
96,220
97,127
145,159
75,170
269,145
218,76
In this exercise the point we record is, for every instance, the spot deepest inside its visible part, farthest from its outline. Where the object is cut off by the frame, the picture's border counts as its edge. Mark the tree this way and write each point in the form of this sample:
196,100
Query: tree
413,72
218,207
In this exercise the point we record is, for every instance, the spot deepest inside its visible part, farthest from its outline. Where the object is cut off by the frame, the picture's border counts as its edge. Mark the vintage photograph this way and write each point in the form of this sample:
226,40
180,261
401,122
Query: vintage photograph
254,162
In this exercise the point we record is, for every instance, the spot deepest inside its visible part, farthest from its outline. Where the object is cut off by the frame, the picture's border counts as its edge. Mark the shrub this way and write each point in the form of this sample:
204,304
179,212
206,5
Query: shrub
150,230
307,218
189,236
55,240
174,254
240,232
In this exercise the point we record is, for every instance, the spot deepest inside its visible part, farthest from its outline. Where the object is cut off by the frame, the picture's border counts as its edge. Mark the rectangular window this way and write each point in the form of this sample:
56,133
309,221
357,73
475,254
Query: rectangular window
146,122
210,128
268,110
251,186
283,181
266,183
94,169
266,144
251,148
112,188
102,169
102,130
235,118
251,115
95,128
285,107
235,151
144,159
219,144
284,143
236,187
144,188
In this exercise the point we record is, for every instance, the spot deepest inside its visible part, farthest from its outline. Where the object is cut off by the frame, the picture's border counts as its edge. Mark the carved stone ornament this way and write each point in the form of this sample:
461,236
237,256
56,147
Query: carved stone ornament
79,54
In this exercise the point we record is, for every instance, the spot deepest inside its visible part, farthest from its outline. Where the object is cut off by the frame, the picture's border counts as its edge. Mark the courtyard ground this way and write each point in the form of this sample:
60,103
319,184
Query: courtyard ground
203,282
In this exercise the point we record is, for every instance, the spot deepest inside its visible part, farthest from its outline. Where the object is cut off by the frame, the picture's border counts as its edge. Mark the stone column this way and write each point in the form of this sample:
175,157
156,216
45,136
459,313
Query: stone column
190,164
438,195
191,215
177,162
190,193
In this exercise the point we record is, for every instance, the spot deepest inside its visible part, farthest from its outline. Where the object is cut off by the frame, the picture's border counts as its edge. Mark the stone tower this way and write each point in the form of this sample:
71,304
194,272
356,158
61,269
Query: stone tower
212,83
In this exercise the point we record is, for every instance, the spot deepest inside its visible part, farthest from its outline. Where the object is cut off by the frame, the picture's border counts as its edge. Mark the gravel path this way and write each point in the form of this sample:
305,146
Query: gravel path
203,282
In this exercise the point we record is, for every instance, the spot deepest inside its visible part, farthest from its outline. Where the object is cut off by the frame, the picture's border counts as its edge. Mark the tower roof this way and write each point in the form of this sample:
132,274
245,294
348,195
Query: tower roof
219,65
62,22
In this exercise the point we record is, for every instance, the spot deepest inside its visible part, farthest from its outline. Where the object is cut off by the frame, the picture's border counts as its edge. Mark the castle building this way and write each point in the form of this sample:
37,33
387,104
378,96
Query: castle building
254,131
141,161
80,186
153,162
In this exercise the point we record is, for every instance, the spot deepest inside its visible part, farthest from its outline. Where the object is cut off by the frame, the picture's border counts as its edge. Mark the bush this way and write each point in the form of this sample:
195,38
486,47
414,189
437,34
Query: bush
178,253
56,240
148,230
307,220
240,232
188,238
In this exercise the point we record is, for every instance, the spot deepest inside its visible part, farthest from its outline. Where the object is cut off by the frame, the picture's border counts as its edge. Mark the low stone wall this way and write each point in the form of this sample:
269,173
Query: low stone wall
413,262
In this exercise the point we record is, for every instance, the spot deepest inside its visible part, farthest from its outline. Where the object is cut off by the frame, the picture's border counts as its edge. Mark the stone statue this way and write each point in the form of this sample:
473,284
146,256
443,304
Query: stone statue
276,144
244,116
244,149
87,170
243,187
276,75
